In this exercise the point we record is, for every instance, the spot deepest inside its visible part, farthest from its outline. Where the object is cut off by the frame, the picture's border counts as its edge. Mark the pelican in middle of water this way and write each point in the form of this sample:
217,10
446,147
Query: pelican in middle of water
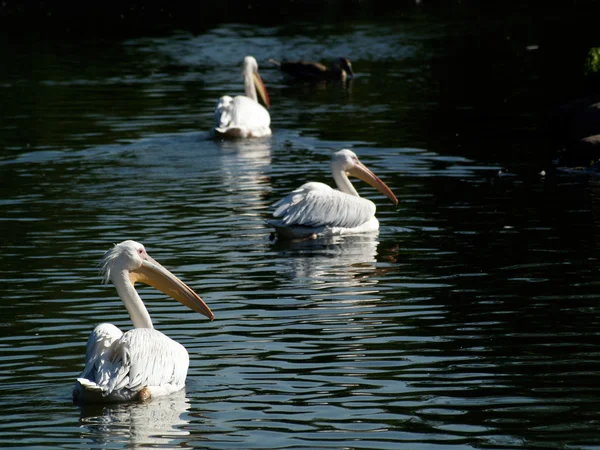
143,362
242,116
315,209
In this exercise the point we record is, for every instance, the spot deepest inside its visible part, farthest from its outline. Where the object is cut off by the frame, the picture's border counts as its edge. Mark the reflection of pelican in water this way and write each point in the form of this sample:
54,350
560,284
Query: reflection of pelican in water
245,167
254,152
161,422
336,260
316,210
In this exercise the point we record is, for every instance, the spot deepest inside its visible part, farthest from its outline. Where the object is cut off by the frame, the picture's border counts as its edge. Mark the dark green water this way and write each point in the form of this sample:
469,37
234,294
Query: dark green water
469,321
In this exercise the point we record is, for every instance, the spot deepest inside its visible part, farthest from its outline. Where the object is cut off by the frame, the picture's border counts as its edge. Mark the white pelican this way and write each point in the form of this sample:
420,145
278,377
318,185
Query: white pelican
242,116
143,362
315,209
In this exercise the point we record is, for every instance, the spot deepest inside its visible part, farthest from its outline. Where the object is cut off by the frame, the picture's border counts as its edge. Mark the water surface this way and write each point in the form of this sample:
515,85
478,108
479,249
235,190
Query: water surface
470,320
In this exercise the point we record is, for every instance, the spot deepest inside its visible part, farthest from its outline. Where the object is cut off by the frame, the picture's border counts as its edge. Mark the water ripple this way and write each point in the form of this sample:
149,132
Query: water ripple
469,320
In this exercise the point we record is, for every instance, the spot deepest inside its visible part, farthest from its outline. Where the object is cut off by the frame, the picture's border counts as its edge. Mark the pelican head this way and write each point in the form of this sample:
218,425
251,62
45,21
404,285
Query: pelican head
129,258
346,161
253,82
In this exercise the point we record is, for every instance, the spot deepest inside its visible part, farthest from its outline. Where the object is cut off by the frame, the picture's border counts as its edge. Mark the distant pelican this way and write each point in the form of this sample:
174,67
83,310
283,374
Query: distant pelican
314,71
315,209
143,362
242,116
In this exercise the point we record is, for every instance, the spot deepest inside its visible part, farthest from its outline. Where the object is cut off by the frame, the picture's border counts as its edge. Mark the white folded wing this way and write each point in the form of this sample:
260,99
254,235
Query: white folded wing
316,204
241,117
119,365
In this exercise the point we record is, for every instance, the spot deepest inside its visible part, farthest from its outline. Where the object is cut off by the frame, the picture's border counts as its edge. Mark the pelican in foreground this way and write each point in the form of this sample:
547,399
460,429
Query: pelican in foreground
143,362
314,71
242,116
315,209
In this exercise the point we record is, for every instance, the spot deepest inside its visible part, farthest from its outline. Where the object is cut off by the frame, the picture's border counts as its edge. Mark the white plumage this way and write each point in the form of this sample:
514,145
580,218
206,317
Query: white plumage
242,116
143,362
316,209
315,204
121,365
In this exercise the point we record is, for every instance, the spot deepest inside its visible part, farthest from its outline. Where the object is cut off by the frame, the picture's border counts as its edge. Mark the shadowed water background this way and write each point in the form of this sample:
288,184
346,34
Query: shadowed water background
469,321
